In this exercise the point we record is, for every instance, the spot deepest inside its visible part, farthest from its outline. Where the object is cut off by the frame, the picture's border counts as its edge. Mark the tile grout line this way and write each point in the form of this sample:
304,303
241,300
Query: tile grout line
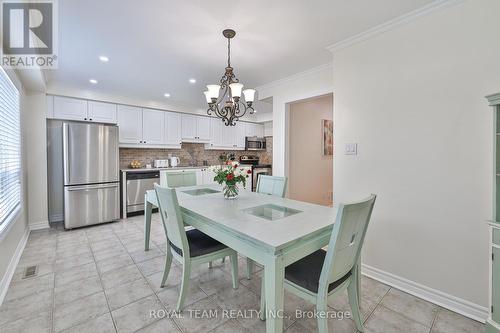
100,280
379,303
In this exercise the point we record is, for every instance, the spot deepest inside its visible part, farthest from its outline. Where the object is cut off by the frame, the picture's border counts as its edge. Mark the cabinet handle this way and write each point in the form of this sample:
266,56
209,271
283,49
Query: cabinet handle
90,119
84,118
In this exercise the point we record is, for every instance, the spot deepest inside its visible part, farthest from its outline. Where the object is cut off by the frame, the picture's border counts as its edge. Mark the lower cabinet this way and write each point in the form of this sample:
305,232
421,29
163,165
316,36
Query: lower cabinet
496,284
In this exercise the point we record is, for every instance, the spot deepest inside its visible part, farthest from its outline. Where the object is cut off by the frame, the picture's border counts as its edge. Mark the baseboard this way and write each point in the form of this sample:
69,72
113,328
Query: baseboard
39,225
450,302
9,273
56,218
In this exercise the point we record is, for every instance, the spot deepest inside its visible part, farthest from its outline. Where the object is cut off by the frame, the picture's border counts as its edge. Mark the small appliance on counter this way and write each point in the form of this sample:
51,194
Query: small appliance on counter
255,143
257,169
174,161
161,163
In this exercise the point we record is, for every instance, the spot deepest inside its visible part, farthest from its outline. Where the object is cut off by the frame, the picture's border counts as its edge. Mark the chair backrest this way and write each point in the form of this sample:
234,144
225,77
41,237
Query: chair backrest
347,239
171,217
271,185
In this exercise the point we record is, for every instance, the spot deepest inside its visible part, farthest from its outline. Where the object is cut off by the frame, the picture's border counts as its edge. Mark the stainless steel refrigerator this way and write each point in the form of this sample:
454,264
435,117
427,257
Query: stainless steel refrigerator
91,174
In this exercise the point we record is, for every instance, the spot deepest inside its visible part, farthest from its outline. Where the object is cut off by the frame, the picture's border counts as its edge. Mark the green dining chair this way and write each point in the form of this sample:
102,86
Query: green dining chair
271,185
324,274
189,248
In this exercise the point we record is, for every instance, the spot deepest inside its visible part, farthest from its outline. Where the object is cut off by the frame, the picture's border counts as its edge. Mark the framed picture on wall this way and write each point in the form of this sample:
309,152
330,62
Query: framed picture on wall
327,137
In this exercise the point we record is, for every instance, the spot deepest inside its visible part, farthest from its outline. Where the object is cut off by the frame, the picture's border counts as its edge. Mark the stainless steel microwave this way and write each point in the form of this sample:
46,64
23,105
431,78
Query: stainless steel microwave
255,143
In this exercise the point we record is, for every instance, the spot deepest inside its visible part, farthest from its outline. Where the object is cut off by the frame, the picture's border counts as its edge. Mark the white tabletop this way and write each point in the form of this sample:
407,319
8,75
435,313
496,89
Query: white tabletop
276,233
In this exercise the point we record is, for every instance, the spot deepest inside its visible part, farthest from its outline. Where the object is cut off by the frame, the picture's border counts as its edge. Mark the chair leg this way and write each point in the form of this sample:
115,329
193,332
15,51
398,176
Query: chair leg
186,271
166,270
234,269
353,293
224,260
249,268
322,308
210,264
262,313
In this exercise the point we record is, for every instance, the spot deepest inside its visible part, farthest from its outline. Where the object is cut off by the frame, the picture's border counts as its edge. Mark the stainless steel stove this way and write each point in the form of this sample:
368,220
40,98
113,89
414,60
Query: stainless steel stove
257,169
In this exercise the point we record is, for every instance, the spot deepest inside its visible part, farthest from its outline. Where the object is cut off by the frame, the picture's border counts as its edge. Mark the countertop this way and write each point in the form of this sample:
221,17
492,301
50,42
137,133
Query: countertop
178,168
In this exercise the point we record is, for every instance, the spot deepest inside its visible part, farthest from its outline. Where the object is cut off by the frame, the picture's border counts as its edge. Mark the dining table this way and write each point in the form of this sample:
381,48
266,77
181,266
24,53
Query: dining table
270,230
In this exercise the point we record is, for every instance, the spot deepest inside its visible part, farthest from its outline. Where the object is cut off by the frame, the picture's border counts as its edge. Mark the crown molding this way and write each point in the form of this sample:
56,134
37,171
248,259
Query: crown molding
494,99
392,24
296,76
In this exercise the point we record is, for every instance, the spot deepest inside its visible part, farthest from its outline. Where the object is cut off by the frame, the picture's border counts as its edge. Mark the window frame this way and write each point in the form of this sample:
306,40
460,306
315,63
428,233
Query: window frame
16,213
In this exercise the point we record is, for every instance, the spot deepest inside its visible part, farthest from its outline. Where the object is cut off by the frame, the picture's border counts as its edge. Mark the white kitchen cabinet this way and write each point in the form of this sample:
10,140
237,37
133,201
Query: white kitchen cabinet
70,108
188,127
172,128
208,177
50,106
268,128
216,132
240,135
153,127
195,128
102,112
255,130
229,136
203,128
130,124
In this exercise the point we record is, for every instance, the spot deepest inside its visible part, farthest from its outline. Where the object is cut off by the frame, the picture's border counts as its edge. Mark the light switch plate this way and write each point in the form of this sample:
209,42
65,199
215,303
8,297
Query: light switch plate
351,149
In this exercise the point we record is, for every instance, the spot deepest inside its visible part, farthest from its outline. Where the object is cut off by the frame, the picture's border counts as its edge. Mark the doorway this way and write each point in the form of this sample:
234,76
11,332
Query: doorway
310,165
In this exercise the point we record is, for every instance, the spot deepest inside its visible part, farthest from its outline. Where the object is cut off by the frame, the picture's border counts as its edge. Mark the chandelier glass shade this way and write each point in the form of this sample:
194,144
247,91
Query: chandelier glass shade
224,99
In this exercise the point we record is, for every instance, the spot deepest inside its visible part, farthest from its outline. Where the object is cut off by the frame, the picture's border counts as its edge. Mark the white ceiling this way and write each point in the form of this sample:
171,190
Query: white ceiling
155,46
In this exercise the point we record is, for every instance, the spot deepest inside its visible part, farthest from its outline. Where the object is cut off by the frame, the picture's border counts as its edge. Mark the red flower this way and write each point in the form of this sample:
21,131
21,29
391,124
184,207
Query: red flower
236,165
249,171
230,176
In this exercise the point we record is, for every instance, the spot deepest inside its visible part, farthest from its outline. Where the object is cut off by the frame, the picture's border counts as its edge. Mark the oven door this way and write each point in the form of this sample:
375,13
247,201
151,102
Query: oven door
258,172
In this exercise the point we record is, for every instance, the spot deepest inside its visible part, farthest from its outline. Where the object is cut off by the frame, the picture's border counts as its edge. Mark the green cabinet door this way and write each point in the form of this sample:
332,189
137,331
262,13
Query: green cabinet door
496,285
496,236
181,178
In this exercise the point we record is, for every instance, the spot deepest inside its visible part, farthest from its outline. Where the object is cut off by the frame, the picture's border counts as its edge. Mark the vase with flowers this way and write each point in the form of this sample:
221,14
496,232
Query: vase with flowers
230,175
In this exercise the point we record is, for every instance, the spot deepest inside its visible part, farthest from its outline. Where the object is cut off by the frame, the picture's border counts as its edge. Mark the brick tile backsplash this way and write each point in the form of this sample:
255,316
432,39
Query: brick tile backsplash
190,154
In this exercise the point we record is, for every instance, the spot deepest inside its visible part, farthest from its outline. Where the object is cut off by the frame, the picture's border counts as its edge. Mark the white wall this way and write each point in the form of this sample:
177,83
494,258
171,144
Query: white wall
315,82
413,98
34,114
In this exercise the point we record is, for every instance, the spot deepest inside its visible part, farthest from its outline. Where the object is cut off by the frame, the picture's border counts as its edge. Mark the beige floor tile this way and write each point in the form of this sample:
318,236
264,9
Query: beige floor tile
201,317
170,295
141,255
79,311
174,278
384,320
36,323
26,306
152,266
29,286
137,315
120,276
450,322
72,291
165,325
75,274
113,263
128,293
101,324
410,306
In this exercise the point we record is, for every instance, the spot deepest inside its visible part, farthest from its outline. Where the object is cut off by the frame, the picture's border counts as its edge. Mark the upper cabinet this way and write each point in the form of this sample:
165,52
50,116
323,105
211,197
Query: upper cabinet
130,124
195,128
148,128
70,108
227,137
268,128
172,128
102,112
67,108
255,130
153,127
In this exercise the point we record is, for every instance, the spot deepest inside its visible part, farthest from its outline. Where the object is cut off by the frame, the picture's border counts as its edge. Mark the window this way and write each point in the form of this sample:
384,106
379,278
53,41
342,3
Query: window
10,150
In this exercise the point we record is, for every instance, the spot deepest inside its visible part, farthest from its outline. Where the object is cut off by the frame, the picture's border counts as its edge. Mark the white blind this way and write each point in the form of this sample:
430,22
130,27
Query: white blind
10,149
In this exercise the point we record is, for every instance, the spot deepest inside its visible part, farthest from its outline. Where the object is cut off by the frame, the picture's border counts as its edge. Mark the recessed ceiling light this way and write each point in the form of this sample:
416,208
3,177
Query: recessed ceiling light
167,95
104,58
192,81
93,81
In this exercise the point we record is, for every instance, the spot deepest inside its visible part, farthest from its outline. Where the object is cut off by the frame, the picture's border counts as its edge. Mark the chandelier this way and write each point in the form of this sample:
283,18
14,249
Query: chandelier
233,107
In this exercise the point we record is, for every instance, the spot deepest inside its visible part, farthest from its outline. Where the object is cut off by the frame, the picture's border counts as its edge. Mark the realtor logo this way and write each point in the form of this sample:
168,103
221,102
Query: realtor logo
29,33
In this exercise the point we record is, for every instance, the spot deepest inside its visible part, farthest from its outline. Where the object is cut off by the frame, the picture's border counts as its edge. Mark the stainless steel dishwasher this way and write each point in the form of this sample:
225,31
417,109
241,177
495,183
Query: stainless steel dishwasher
137,185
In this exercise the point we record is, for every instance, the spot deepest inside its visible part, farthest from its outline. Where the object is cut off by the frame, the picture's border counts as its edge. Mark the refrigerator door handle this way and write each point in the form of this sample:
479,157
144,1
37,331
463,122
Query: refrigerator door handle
90,187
